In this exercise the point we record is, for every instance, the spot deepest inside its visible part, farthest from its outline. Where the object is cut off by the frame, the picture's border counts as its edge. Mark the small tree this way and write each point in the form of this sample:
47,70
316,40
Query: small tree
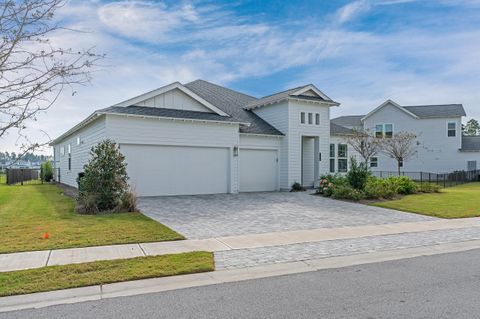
104,186
46,171
400,147
358,174
472,128
365,144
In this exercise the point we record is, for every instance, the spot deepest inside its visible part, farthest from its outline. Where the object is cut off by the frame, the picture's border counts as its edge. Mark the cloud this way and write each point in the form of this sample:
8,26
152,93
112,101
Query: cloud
351,10
145,20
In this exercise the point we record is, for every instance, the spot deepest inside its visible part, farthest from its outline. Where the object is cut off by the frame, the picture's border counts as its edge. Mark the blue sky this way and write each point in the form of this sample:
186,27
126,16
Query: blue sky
359,52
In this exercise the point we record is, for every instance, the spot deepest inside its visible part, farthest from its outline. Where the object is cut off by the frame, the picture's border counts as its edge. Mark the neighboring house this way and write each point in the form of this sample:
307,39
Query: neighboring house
440,144
201,138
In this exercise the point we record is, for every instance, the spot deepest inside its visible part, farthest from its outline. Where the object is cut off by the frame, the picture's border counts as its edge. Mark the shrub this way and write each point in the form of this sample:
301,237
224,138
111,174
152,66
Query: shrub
46,170
328,182
104,187
377,188
405,185
347,192
358,174
297,187
428,188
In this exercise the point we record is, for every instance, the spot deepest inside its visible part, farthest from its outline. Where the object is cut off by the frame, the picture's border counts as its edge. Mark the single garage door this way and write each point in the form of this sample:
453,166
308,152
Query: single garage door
258,170
177,170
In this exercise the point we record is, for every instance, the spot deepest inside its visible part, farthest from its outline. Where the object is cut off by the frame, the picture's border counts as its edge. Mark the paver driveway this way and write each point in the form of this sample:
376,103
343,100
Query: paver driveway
208,216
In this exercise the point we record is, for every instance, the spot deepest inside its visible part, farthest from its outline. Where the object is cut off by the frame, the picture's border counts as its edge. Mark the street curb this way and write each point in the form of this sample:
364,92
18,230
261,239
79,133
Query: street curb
145,286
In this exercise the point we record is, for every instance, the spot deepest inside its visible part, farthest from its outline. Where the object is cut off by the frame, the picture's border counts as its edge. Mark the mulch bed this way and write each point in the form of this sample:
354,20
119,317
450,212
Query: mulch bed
68,190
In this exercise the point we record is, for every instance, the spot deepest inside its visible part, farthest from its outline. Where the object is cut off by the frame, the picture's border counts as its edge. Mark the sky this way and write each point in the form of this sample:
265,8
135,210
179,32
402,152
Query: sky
360,53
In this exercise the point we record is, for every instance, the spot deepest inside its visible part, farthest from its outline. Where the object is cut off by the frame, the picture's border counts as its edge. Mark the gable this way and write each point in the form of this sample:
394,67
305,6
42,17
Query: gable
310,93
174,99
390,104
179,98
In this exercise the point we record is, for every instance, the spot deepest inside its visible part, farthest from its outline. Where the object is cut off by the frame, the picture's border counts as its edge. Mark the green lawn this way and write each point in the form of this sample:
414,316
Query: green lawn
103,272
27,212
454,202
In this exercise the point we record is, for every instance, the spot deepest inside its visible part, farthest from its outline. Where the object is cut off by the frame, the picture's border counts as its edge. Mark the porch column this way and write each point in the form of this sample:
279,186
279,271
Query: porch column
316,162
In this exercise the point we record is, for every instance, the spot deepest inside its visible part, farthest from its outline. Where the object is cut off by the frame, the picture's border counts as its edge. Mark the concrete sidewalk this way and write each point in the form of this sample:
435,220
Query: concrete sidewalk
37,259
130,288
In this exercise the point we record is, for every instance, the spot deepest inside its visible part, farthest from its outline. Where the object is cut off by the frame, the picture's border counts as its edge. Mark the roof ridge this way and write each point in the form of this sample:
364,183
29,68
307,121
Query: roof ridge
220,86
430,105
280,92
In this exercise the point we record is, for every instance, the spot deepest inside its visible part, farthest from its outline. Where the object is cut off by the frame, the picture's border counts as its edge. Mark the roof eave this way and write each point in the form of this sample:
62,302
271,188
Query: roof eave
255,106
176,118
80,125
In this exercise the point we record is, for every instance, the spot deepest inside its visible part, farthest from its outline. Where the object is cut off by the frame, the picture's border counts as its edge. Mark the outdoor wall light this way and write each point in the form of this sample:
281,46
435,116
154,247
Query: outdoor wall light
235,151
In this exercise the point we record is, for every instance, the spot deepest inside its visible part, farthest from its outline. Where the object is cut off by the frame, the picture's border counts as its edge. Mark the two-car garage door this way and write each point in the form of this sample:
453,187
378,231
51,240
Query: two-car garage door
177,170
183,170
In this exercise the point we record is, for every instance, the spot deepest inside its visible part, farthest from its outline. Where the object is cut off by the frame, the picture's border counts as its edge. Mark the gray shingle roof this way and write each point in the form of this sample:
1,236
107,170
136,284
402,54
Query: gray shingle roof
434,111
162,112
232,103
348,120
470,143
281,96
339,130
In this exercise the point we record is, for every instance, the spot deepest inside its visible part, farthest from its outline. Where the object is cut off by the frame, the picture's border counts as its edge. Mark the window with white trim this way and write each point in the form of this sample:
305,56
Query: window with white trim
374,162
342,158
62,150
384,130
317,119
69,157
332,158
310,118
451,129
79,140
302,117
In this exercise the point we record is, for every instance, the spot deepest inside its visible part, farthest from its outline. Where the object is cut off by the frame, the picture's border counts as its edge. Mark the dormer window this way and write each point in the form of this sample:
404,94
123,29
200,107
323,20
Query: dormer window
451,129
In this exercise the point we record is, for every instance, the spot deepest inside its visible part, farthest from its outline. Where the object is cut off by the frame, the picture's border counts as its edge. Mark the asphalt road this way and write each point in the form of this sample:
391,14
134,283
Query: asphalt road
441,286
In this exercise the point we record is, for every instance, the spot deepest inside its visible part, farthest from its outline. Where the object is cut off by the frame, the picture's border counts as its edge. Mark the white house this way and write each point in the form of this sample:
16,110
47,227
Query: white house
441,148
201,138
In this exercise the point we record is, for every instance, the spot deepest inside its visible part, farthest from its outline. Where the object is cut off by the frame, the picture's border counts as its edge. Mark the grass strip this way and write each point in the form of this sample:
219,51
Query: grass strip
103,272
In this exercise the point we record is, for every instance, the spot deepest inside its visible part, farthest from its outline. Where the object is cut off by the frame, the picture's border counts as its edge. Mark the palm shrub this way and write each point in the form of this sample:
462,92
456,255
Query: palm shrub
104,187
46,170
358,174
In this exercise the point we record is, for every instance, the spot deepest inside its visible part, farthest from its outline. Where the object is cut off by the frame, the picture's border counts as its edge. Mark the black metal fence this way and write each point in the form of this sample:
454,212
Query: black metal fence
442,179
20,176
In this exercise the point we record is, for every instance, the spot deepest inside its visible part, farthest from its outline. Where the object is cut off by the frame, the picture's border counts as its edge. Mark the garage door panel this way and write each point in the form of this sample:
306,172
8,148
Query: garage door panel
177,170
258,170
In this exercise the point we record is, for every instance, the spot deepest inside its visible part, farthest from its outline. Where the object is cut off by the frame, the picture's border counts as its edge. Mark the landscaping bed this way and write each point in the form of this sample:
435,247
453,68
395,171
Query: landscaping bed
29,212
103,272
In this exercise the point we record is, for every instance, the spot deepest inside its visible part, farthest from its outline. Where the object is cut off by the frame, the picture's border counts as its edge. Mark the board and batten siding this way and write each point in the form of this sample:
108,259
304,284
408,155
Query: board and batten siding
146,131
90,135
277,116
175,99
436,151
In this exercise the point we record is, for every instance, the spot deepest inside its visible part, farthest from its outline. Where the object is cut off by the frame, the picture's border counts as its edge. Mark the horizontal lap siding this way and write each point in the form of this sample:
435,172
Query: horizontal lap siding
134,130
90,135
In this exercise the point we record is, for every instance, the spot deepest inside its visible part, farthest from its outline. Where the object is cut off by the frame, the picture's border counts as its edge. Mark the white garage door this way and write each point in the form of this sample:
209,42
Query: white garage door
258,170
174,170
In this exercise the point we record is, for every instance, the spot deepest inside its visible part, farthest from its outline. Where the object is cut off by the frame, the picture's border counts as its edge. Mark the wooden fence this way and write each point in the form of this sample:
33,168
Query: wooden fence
22,176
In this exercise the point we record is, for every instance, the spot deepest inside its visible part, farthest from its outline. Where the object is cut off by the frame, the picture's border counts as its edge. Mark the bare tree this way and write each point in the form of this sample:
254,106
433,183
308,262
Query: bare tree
33,72
365,144
401,147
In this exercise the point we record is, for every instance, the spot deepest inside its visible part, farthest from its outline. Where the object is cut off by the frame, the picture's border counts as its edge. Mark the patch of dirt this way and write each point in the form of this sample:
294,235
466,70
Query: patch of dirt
68,190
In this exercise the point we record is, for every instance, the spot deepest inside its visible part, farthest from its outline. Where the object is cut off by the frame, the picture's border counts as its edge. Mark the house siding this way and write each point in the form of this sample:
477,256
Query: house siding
89,135
175,99
297,130
436,151
132,130
277,116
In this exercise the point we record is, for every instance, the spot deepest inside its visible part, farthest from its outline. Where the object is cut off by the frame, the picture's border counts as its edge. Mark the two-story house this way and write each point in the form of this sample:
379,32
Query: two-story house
202,138
440,146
